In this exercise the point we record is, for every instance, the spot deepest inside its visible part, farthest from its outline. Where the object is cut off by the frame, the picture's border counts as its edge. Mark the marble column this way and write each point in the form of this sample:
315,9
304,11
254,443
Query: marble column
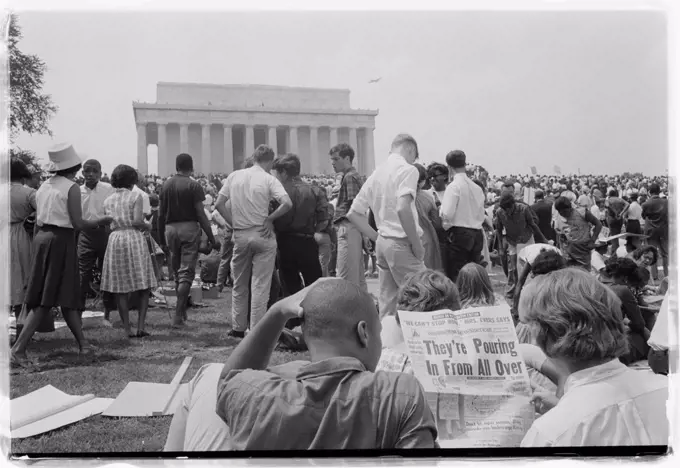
249,147
354,143
326,167
142,156
164,166
206,166
293,140
369,163
334,136
228,150
183,138
314,160
273,144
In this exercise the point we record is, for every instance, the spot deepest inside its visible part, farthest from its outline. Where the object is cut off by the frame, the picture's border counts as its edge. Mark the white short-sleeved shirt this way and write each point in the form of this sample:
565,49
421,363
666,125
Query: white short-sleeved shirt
463,204
52,202
605,405
392,180
93,200
250,191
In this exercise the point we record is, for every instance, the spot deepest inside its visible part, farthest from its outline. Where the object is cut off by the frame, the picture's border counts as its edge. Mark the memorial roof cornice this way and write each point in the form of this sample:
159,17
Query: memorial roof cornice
272,110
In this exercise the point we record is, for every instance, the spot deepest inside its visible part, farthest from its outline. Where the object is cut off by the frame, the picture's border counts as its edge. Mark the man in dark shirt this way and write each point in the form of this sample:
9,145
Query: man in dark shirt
517,221
543,210
655,214
180,219
299,230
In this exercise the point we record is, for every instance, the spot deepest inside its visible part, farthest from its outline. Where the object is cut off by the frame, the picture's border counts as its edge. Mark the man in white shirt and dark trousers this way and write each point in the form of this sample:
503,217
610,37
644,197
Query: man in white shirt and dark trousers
92,243
462,214
249,192
390,193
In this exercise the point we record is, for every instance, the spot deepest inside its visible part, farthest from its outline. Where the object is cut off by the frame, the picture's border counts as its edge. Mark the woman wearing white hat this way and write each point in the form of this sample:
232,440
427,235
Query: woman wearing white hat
54,279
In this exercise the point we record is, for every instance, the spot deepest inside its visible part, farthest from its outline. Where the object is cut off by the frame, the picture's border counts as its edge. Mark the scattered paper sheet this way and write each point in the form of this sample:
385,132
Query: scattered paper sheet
143,399
49,408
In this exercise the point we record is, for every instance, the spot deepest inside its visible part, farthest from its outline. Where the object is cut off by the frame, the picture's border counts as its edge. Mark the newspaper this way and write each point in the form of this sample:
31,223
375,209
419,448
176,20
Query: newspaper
475,379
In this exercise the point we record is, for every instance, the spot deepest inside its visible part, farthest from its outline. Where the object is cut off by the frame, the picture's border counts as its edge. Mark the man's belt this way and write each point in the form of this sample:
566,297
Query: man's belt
297,234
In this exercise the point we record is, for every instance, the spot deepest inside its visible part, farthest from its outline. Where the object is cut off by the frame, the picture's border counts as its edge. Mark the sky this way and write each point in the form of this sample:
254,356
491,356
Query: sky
582,90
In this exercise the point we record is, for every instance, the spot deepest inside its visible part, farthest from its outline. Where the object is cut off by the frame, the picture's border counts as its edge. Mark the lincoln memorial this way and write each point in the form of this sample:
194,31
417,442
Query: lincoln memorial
221,125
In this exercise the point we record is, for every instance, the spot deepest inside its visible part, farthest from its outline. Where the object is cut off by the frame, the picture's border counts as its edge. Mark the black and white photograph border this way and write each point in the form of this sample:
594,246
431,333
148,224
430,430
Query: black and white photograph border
355,93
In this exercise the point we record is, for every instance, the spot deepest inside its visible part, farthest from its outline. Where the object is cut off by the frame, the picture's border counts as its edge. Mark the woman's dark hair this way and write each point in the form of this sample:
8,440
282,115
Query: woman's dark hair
69,171
124,176
435,169
643,250
548,261
563,203
18,170
626,269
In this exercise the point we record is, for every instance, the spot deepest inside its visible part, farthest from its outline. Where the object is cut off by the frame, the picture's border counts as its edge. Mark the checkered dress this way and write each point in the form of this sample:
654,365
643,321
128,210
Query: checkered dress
127,264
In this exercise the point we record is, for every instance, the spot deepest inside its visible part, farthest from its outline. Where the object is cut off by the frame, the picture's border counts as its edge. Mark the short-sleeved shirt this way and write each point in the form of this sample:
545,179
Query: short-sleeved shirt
309,208
178,199
92,200
331,404
391,181
250,191
52,202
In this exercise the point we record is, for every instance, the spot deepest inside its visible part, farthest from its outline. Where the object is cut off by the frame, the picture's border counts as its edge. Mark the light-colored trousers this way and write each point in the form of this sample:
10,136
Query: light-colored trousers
325,252
395,262
256,254
350,264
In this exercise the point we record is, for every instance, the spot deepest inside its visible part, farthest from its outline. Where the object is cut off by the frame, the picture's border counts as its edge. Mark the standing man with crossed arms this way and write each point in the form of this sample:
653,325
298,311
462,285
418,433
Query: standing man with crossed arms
390,193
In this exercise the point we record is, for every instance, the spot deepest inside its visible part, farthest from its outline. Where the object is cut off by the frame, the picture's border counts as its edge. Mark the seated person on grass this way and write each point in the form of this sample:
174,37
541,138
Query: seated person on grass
336,401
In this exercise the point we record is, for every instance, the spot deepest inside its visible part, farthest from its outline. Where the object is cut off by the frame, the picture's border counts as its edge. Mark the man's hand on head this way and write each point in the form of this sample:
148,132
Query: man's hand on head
291,306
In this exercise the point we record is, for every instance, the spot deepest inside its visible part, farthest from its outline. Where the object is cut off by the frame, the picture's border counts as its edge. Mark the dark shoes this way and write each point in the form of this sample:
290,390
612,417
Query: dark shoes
236,334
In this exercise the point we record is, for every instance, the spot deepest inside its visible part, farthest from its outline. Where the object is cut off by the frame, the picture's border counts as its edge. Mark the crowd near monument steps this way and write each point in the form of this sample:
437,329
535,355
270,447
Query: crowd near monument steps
493,304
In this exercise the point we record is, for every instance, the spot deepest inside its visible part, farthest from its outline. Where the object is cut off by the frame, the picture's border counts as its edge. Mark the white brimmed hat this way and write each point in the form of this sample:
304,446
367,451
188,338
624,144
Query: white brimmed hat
62,156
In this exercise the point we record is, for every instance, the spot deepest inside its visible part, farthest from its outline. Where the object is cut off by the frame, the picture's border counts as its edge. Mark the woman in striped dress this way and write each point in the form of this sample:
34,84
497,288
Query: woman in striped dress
128,267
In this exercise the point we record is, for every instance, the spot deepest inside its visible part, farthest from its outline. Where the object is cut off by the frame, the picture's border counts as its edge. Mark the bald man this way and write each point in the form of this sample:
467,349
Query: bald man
92,242
336,401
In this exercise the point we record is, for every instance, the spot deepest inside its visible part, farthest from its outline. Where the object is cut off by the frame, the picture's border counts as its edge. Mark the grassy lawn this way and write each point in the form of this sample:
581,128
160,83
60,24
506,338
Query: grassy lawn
120,360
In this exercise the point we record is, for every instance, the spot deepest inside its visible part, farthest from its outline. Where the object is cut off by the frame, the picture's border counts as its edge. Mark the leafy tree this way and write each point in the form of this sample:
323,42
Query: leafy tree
30,108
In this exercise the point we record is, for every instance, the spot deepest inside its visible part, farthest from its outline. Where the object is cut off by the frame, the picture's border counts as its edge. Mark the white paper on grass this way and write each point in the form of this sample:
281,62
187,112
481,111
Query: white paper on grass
49,408
64,418
144,399
470,366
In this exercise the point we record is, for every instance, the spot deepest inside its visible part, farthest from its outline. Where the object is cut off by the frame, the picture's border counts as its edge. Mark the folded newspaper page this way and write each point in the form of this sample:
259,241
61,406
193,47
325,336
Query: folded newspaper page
475,379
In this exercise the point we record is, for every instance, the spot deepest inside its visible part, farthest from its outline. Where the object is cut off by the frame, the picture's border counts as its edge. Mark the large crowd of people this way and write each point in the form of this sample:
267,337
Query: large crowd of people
580,255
